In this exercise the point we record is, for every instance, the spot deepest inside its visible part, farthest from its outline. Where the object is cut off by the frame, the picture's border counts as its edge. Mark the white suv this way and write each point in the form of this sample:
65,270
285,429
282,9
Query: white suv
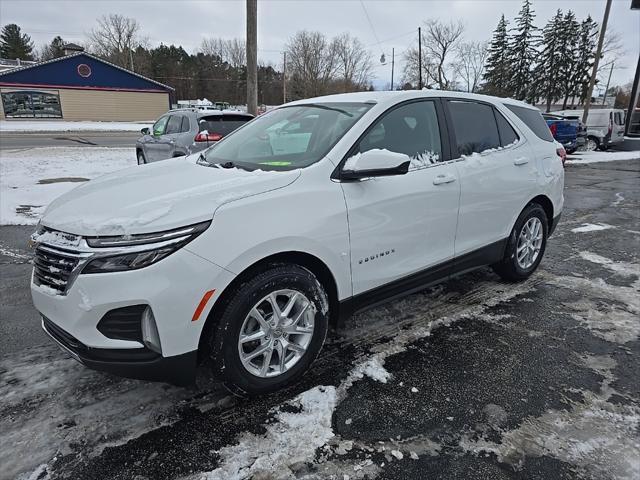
246,253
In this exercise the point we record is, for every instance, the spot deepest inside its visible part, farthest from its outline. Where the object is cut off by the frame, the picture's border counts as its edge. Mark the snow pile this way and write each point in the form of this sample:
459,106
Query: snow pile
293,438
591,227
24,198
583,158
7,126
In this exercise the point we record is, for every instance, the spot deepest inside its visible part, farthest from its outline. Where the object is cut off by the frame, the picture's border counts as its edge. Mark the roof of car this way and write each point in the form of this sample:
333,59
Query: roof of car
209,113
399,95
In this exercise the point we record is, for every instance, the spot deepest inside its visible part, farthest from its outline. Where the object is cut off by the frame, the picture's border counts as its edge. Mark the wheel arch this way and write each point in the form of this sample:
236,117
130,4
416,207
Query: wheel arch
303,259
547,205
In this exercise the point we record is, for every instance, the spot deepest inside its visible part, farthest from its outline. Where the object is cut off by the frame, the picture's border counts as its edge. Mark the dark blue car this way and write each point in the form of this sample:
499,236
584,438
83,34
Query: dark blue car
566,131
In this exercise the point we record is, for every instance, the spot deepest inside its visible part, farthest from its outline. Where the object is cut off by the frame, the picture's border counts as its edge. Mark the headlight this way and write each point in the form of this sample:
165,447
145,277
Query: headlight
131,252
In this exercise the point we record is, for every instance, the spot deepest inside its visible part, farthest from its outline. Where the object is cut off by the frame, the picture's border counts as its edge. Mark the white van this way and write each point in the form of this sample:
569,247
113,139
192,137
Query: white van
245,253
605,126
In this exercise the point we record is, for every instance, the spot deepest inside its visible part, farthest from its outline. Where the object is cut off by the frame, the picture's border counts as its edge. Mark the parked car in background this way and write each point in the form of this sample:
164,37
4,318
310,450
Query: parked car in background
242,258
185,131
565,131
605,126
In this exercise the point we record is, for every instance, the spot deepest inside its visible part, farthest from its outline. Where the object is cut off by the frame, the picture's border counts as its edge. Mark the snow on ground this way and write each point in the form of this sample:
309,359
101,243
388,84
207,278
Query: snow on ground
30,179
66,126
591,227
580,158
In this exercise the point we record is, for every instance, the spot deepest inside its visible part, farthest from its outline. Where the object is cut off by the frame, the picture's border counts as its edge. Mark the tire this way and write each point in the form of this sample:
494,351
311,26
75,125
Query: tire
603,148
511,268
251,377
141,158
571,151
592,144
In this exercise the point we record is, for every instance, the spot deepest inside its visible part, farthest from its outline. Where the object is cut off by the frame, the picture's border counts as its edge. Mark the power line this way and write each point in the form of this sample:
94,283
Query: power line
370,22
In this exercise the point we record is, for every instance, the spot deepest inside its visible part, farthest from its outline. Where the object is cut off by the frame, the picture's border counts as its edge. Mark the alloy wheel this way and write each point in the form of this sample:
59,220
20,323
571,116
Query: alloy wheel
529,243
276,333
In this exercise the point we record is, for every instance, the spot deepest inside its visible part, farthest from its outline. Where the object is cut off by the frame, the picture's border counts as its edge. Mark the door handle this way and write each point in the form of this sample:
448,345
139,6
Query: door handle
442,179
521,161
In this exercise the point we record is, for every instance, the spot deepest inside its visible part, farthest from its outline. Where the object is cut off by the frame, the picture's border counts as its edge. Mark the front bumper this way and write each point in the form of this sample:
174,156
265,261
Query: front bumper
141,364
172,288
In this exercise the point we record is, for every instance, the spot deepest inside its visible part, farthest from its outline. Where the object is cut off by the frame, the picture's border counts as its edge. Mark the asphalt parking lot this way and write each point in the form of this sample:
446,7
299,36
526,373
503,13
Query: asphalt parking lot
472,379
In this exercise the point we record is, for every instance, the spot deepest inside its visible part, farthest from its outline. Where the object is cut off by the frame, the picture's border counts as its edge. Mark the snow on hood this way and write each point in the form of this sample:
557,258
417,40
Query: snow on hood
156,197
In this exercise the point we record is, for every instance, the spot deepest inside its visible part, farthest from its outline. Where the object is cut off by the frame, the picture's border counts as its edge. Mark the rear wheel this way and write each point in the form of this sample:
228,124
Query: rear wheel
141,159
271,330
526,245
592,144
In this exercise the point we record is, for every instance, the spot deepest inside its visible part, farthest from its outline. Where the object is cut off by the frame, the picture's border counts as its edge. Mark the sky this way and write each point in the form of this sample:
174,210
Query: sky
381,25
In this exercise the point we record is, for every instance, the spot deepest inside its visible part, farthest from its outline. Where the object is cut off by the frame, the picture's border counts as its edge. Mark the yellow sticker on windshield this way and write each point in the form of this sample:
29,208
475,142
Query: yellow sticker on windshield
276,164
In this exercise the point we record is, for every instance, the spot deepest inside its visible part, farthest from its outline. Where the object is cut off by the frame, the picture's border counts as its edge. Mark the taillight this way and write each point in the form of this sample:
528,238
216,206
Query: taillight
207,137
562,153
554,128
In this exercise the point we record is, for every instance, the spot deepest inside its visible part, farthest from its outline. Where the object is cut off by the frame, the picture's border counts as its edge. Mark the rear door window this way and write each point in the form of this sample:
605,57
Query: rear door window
222,124
617,118
185,125
475,126
174,124
533,119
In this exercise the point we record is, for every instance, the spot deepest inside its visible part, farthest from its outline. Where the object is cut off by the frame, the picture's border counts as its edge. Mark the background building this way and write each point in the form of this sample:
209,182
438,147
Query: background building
80,86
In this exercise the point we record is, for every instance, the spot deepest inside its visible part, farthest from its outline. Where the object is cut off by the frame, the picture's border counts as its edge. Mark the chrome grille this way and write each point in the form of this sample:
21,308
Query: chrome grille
54,267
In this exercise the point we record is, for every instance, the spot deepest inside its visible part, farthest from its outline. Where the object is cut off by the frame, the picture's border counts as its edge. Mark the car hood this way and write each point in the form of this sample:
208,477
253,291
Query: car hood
156,197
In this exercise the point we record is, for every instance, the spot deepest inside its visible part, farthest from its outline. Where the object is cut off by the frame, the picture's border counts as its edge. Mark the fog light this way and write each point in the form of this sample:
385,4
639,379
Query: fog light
150,336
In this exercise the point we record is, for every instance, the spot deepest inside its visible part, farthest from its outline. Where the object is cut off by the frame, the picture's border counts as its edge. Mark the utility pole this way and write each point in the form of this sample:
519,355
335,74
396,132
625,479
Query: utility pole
131,59
419,58
284,79
592,81
252,57
604,97
393,59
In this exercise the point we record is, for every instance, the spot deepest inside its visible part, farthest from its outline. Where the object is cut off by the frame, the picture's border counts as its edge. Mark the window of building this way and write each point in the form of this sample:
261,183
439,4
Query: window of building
31,104
475,127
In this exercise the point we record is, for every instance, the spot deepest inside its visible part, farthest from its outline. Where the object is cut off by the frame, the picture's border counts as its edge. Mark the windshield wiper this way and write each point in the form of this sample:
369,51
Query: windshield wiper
202,160
324,107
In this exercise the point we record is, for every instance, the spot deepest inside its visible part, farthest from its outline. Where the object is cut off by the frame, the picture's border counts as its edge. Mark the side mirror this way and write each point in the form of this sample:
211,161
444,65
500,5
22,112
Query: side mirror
375,163
145,131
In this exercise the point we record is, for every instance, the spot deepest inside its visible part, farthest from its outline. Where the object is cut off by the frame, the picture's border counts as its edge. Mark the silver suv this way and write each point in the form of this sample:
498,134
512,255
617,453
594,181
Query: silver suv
185,131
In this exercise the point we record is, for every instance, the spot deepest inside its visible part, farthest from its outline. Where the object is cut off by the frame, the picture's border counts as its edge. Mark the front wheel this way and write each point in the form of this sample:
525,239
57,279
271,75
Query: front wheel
271,330
525,246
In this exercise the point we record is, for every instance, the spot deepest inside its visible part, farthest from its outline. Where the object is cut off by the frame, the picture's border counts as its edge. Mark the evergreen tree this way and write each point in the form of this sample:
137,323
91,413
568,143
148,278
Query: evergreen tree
497,71
15,44
568,49
583,62
523,53
54,50
547,84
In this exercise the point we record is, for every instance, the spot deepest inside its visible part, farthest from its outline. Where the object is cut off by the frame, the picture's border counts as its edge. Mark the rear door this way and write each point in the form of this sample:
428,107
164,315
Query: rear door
497,173
617,135
401,225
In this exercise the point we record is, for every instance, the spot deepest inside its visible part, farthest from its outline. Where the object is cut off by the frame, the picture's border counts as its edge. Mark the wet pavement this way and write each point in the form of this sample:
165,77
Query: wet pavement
472,379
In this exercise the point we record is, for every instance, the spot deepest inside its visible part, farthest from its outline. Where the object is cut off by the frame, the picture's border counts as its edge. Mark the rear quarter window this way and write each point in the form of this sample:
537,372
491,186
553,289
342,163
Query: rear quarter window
533,119
222,124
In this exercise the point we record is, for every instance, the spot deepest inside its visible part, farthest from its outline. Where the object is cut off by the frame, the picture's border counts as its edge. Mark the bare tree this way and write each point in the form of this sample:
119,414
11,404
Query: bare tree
311,63
233,51
470,62
115,38
354,62
439,43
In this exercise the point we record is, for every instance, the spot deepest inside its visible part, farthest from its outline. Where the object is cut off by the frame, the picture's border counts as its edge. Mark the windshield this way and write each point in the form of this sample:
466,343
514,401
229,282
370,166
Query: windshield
287,138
